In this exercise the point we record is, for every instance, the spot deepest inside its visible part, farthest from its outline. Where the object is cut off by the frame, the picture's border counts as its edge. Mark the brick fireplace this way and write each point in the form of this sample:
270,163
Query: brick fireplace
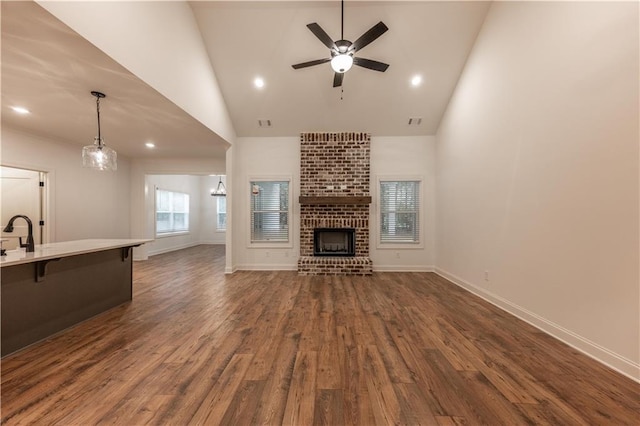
334,188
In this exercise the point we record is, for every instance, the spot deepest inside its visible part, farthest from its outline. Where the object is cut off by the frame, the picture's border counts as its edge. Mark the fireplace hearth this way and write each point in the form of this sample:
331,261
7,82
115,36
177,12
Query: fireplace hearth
334,242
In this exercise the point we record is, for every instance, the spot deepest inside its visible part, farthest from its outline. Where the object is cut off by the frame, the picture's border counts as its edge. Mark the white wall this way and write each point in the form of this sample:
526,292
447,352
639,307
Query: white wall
271,157
410,157
264,158
83,203
537,173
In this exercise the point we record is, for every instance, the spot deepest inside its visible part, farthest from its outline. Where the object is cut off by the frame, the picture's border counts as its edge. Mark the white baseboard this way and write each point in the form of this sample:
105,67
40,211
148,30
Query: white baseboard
403,268
601,354
213,242
173,248
266,267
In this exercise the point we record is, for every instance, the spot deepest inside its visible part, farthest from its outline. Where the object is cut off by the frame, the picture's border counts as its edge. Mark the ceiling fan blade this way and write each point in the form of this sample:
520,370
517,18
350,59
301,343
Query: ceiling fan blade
322,36
374,32
337,79
310,63
370,64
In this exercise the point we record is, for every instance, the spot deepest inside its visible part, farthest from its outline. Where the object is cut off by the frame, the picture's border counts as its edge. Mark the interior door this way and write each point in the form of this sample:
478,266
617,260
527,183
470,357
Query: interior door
21,193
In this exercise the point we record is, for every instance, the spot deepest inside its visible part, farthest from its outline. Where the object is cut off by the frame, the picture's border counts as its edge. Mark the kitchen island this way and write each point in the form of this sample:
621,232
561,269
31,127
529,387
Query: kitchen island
61,284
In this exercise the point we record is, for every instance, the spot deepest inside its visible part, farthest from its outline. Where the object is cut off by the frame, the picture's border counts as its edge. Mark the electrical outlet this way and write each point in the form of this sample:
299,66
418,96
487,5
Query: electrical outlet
286,253
330,187
397,255
267,254
486,275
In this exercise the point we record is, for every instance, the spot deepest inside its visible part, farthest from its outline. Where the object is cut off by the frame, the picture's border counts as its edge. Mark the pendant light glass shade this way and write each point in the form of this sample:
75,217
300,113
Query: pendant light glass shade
99,156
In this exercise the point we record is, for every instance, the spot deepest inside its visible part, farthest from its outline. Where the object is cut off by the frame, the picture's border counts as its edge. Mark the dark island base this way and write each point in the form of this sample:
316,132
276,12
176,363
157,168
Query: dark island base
72,290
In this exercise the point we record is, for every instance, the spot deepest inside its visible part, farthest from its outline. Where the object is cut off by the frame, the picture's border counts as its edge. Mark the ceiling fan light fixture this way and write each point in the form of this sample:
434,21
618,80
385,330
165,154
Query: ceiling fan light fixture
342,62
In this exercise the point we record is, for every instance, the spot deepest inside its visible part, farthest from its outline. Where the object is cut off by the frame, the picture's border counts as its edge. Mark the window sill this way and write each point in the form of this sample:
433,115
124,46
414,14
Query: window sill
270,244
172,234
400,245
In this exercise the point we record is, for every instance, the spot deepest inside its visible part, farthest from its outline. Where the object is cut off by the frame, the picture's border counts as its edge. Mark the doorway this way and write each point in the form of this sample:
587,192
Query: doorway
23,192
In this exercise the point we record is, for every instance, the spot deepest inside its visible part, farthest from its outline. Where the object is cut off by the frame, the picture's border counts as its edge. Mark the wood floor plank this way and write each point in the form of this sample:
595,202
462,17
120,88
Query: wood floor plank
215,404
198,346
302,392
384,401
242,409
414,405
328,407
271,406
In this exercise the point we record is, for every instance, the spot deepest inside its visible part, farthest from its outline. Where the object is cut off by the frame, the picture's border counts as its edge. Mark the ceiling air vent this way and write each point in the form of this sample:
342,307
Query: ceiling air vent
263,122
414,121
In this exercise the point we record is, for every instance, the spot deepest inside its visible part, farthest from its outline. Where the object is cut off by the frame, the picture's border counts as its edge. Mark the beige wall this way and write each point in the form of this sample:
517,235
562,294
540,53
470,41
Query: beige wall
83,203
537,173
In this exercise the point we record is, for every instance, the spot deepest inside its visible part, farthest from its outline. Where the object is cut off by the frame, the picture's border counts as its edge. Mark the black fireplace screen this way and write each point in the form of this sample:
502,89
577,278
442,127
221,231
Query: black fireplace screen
334,242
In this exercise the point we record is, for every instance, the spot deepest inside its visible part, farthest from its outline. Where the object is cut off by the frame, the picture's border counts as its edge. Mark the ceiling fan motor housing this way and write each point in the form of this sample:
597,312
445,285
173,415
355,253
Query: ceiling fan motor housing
344,46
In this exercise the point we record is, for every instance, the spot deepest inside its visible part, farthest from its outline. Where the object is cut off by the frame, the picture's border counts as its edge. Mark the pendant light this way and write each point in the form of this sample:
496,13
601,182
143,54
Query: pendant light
220,191
99,156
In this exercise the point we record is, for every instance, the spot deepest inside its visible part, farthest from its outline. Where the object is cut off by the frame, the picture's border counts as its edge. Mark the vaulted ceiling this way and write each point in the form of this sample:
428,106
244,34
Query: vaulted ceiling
49,67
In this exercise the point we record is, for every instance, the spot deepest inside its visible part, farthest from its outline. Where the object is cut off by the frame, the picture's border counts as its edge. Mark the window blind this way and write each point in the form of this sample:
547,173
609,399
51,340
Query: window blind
399,211
269,211
221,223
172,211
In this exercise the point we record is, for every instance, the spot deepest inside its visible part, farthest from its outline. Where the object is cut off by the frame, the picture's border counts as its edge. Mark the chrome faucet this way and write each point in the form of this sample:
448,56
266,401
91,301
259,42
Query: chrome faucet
30,245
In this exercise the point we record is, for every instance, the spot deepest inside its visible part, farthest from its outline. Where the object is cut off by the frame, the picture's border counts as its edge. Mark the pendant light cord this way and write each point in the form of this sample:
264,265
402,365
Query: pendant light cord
98,111
98,95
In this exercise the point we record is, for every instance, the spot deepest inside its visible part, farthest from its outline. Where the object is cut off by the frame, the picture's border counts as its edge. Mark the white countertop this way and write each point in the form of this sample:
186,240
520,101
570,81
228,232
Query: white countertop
65,249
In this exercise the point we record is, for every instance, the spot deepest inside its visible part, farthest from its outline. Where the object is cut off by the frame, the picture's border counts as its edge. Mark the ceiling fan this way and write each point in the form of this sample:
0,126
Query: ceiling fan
343,51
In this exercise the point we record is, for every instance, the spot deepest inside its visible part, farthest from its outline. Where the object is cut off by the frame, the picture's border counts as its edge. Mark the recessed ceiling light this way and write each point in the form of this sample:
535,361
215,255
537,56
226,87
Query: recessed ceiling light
20,110
150,145
416,80
258,82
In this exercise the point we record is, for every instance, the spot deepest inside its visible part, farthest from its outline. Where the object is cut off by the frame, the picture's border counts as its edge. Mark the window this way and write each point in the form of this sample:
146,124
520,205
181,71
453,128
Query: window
269,211
221,213
172,212
400,211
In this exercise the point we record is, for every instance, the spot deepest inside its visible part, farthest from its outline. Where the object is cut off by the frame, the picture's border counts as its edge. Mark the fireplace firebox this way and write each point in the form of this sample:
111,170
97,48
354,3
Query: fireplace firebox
334,242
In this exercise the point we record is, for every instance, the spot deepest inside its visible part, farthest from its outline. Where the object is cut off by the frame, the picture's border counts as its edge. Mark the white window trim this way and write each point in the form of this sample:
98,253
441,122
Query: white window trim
155,217
218,230
270,244
375,229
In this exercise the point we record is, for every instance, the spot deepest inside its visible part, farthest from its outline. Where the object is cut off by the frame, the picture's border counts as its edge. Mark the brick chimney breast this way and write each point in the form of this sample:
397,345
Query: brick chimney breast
334,188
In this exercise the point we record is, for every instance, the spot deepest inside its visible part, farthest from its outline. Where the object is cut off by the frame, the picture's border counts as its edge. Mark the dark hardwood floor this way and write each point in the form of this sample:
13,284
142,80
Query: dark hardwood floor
198,347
